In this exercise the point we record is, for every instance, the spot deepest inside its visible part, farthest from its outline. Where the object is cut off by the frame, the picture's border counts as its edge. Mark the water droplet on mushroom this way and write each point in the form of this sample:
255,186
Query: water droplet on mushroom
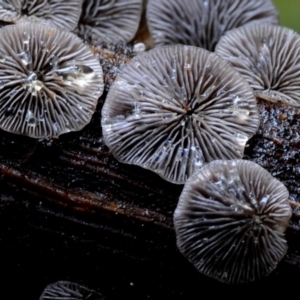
25,57
12,92
33,85
187,66
264,200
44,46
56,127
30,118
53,61
8,111
2,57
25,37
76,74
136,109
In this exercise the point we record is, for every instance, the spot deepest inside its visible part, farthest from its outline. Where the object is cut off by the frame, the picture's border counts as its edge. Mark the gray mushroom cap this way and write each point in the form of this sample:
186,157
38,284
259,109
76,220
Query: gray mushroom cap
268,57
110,20
174,108
230,221
63,14
202,22
69,291
50,81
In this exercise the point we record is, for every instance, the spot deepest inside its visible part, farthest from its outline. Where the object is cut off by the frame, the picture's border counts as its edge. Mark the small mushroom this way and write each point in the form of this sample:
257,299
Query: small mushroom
268,57
110,20
231,219
63,14
174,108
49,81
69,291
202,22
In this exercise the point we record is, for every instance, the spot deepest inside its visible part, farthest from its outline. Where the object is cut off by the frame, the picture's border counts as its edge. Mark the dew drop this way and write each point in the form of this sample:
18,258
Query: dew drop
8,111
25,57
30,118
53,61
76,74
187,67
2,57
25,37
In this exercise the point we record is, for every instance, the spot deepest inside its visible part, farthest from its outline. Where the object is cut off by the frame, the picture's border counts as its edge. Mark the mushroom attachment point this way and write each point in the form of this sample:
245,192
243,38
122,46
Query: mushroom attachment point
231,219
174,108
110,20
50,81
68,290
268,57
63,14
202,22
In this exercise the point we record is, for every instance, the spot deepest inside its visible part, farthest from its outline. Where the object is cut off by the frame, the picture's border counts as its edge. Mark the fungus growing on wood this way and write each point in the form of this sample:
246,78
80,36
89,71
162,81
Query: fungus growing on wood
231,219
174,108
110,20
68,290
268,57
63,14
201,22
49,81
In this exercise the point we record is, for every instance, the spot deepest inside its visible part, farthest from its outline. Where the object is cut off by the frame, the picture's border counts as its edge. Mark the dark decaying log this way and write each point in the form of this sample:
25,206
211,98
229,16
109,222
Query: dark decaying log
70,211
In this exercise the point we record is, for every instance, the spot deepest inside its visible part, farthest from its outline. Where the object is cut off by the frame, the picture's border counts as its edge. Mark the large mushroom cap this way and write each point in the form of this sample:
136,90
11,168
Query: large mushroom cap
110,20
50,81
174,108
202,22
63,14
268,57
230,221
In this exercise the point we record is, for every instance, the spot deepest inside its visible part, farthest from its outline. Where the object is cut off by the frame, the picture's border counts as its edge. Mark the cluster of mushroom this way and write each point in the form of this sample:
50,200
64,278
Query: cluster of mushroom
187,114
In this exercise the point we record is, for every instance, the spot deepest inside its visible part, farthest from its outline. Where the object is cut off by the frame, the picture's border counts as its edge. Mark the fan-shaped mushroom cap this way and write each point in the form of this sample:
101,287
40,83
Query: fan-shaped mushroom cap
110,20
49,81
230,221
268,57
69,290
202,22
63,14
174,108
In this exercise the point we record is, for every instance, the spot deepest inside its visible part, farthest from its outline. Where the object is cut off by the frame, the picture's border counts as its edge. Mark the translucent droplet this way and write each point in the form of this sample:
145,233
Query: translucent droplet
136,109
9,111
30,118
76,74
53,61
25,57
187,66
2,57
33,85
44,46
12,92
25,37
56,127
264,200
